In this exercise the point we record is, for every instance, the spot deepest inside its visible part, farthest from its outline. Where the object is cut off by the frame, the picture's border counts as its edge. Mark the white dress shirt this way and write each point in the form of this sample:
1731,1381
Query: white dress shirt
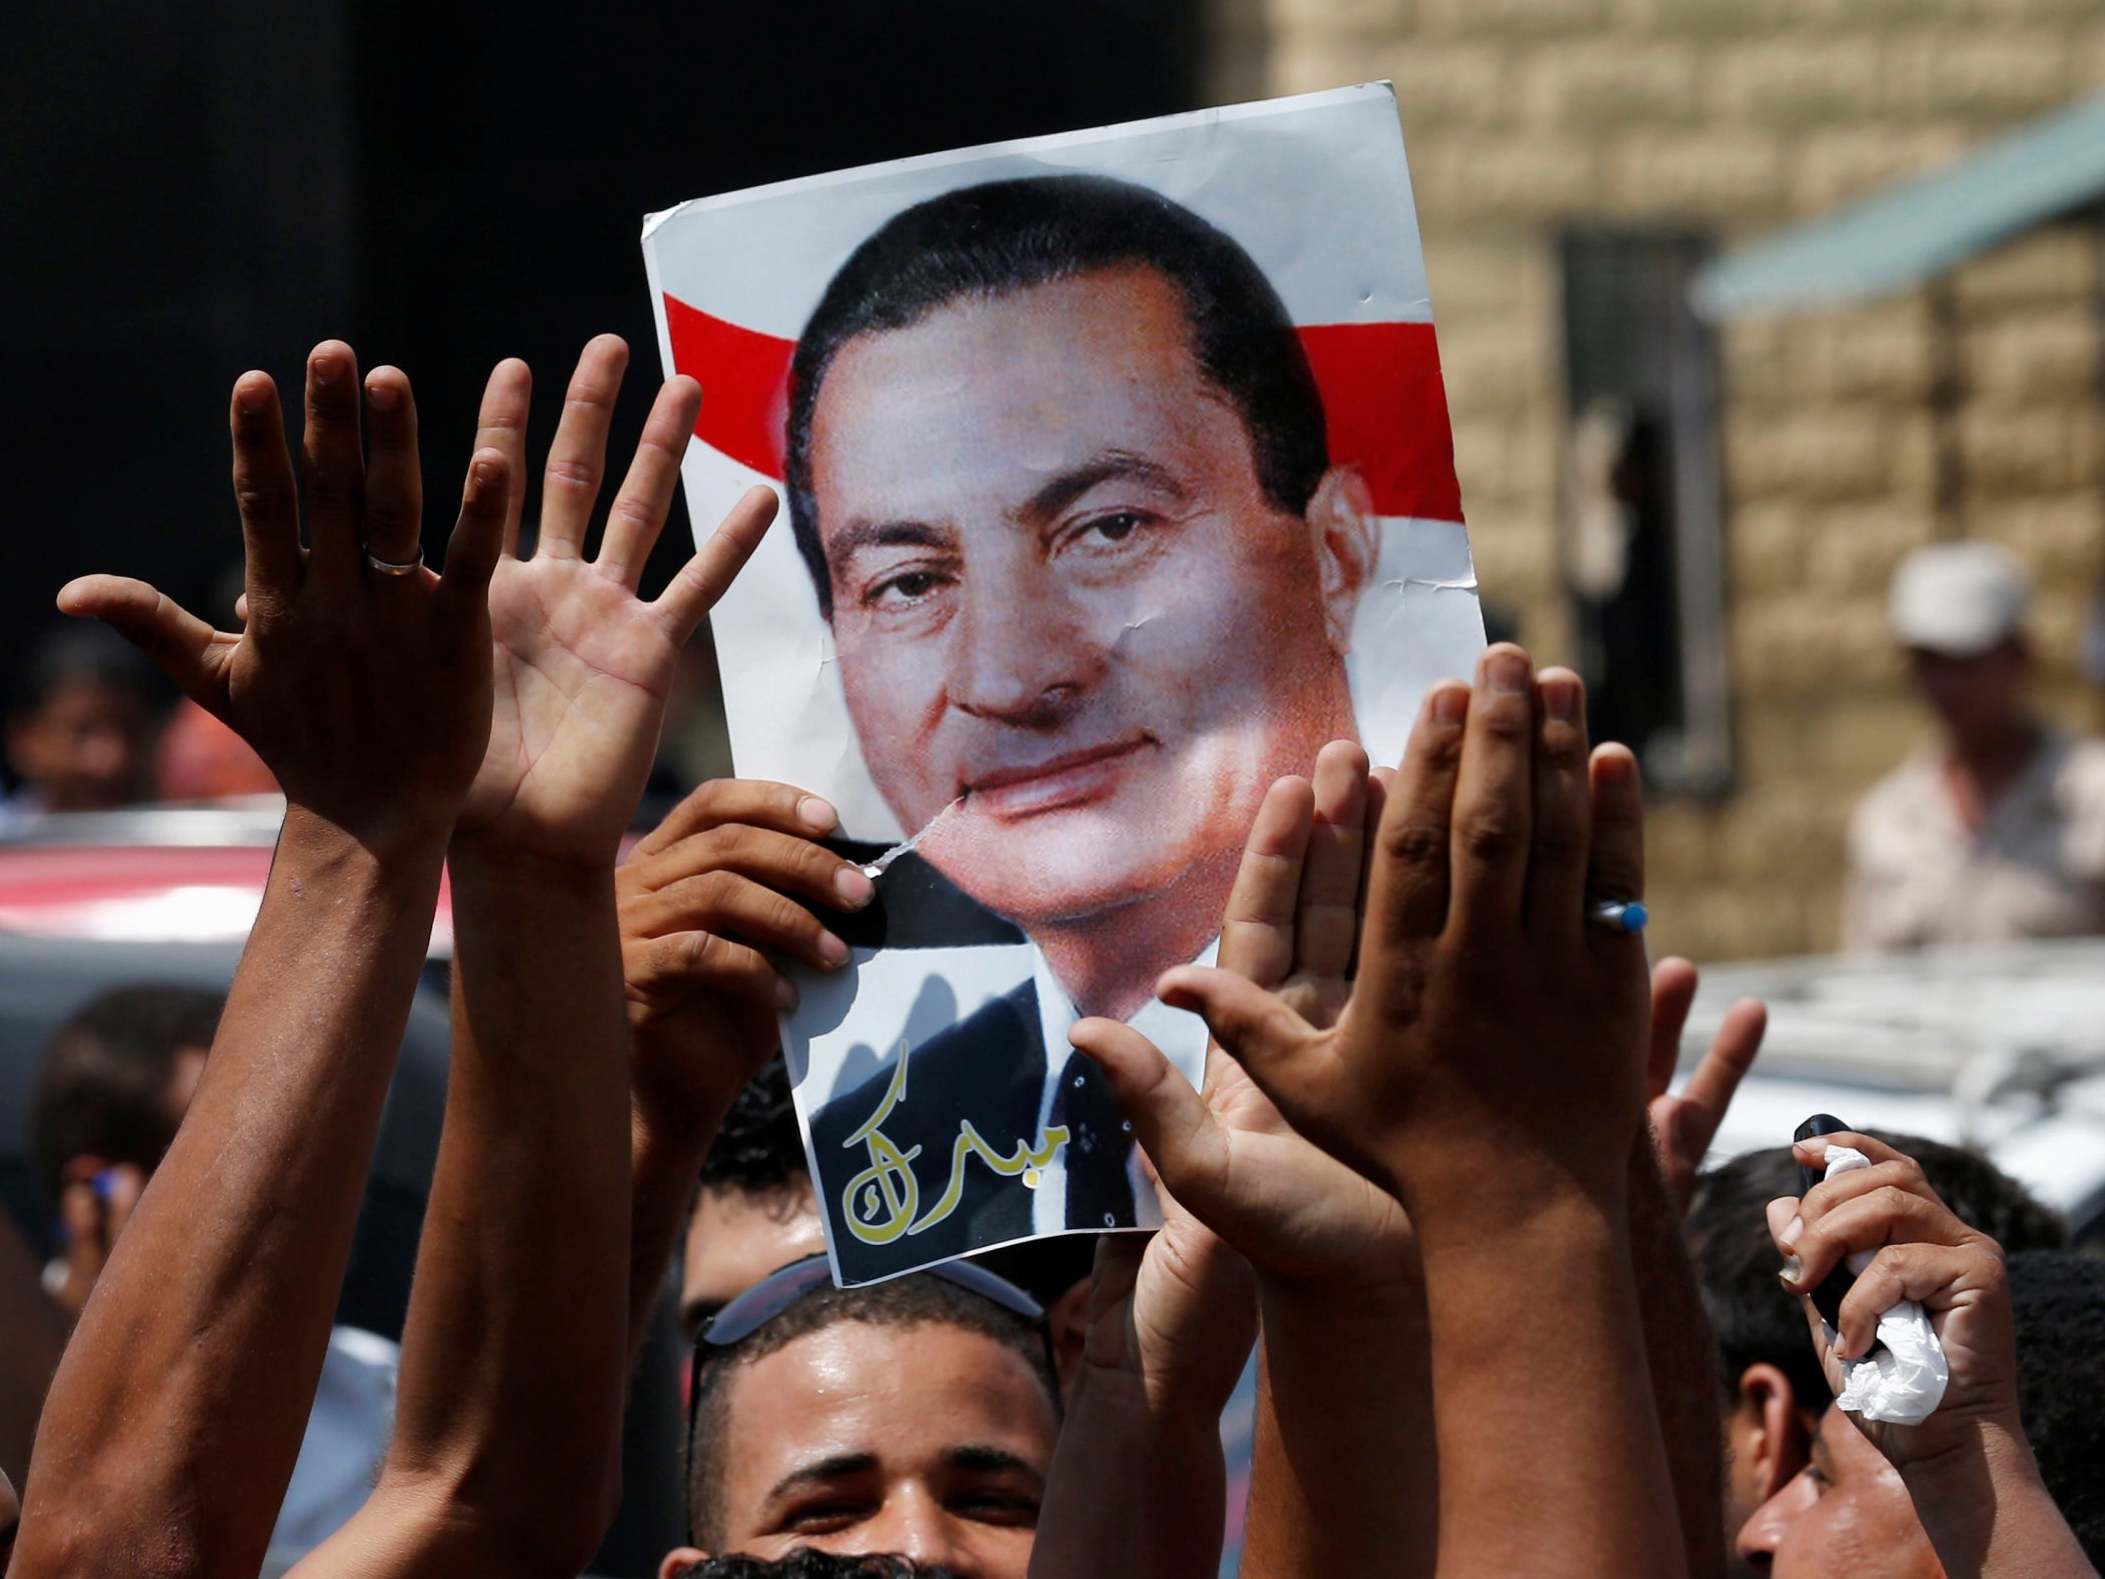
1182,1038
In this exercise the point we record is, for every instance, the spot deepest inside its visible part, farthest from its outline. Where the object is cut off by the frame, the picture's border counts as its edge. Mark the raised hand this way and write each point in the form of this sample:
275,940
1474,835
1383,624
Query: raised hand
582,664
1490,1053
1920,1250
366,690
1225,1153
732,876
1682,1127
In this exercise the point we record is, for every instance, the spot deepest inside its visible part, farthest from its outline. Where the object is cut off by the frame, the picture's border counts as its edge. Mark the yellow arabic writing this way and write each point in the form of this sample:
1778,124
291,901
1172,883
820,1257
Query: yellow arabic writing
879,1203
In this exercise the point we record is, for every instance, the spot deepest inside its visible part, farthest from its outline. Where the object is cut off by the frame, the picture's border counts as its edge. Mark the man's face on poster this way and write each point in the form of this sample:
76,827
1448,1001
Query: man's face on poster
1062,602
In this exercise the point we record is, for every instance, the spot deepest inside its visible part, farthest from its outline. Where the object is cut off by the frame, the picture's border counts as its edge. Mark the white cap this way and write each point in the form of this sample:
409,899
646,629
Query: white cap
1958,599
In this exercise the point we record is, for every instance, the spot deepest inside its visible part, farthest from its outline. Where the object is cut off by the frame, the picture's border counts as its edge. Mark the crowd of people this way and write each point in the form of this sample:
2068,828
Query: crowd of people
1434,1175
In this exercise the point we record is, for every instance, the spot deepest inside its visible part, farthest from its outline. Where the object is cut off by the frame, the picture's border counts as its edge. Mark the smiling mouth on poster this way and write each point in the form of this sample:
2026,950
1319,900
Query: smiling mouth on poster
1119,480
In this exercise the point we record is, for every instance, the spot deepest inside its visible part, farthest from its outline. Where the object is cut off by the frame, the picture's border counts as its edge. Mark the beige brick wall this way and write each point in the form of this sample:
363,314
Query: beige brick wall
1523,116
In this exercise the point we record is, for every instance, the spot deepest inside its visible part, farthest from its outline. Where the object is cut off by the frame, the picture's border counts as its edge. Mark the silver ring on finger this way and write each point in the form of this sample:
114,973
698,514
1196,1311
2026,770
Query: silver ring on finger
395,567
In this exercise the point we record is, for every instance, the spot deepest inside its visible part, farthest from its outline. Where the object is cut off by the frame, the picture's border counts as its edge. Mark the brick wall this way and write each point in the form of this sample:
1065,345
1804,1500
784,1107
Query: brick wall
1741,116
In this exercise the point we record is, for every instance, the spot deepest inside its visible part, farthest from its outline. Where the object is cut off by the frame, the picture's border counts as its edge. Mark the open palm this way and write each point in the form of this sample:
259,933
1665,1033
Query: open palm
1227,1155
581,664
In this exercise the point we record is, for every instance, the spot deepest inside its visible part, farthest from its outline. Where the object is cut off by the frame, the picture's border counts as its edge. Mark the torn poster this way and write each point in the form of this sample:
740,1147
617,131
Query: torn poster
1119,480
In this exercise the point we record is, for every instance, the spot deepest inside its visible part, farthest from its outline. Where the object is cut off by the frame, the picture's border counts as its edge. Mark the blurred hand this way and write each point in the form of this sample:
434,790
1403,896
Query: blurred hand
729,877
1226,1155
582,665
1489,1055
1921,1251
94,1205
1682,1127
366,694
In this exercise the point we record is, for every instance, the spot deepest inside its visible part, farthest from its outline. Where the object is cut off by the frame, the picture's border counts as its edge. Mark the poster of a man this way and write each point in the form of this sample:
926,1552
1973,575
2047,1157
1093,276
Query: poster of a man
1119,481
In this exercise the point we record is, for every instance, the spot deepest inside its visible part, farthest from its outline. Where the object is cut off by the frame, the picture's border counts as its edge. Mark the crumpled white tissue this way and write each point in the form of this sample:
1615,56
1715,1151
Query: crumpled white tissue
1902,1381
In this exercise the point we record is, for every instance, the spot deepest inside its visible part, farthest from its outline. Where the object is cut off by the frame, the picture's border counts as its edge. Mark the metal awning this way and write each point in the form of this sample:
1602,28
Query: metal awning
1918,229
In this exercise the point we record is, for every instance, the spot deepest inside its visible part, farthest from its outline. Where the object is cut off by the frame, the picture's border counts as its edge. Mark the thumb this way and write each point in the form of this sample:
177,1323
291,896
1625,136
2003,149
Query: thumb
1175,1128
1253,1026
182,646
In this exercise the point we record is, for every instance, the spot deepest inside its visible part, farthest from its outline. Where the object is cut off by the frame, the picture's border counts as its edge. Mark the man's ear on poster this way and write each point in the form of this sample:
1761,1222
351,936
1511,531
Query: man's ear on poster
1346,536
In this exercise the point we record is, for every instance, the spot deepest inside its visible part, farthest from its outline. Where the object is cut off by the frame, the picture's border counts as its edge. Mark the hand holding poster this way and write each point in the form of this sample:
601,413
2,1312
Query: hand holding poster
1119,481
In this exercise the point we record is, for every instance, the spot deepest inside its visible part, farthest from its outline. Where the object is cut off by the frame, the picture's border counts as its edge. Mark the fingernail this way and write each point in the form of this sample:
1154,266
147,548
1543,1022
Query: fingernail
1837,1345
1507,673
1451,704
485,472
785,994
855,889
816,814
1560,698
1791,1269
250,400
327,370
383,397
1791,1231
832,950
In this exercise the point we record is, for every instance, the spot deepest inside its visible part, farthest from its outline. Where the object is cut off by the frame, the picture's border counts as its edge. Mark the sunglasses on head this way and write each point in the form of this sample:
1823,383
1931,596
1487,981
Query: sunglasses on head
783,1287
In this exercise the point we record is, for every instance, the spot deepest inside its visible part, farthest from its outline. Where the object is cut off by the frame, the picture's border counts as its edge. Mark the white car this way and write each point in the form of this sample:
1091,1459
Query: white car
1997,1047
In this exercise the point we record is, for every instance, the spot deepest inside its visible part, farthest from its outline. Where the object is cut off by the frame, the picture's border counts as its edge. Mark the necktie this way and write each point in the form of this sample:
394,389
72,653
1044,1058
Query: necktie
1099,1195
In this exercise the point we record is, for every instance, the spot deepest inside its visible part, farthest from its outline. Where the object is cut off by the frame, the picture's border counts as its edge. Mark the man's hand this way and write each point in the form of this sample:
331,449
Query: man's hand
366,693
732,876
1682,1127
93,1208
1489,1055
1923,1252
582,664
1225,1153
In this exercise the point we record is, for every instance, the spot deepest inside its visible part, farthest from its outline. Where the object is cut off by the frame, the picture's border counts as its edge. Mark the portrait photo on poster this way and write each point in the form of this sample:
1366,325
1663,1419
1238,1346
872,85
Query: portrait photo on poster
1118,480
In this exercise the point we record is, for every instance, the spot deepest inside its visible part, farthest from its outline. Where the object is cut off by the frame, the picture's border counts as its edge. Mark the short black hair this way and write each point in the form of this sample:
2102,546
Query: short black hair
102,1087
2058,1300
918,1300
78,652
759,1150
809,1563
991,240
1756,1320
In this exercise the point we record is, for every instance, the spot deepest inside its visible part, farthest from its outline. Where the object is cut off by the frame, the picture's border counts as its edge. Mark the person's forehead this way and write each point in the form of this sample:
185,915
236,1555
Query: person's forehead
902,1395
1008,390
737,1237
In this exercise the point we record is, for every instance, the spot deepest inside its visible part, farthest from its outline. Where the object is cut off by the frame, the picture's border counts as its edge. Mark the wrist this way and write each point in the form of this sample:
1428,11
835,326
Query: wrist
1469,1211
1951,1475
406,852
497,863
1167,1407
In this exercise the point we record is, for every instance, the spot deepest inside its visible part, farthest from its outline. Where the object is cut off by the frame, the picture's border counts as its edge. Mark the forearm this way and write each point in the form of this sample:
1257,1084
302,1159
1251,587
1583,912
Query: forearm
35,1337
1682,1357
665,1163
1344,1478
525,1246
1987,1512
1136,1487
1537,1363
204,1339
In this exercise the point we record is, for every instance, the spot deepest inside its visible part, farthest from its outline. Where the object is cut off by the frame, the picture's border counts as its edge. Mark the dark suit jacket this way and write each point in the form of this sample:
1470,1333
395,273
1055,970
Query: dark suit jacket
989,1068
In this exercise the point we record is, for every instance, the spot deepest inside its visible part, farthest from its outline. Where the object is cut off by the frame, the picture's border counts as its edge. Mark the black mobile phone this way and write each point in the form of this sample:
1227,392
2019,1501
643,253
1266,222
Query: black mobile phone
1827,1298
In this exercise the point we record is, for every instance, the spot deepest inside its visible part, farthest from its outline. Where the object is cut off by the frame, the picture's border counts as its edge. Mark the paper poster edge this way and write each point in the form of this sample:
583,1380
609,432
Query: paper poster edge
1253,109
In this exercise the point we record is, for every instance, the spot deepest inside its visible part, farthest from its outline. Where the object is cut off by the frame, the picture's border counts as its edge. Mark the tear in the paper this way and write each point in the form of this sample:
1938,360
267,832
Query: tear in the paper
877,868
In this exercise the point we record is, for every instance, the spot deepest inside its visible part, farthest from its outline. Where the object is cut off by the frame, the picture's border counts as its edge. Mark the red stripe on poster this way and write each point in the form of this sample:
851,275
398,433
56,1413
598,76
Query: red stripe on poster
1382,395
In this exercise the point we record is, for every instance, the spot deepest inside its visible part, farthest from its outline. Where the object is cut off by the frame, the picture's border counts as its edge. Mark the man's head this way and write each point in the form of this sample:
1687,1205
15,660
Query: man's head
1959,610
79,734
118,1076
809,1564
1773,1392
911,1417
1057,464
1848,1511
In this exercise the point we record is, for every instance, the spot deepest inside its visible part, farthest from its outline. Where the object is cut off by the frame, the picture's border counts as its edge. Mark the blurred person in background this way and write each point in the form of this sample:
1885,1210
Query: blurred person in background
1772,1391
79,734
1996,831
115,1082
199,758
